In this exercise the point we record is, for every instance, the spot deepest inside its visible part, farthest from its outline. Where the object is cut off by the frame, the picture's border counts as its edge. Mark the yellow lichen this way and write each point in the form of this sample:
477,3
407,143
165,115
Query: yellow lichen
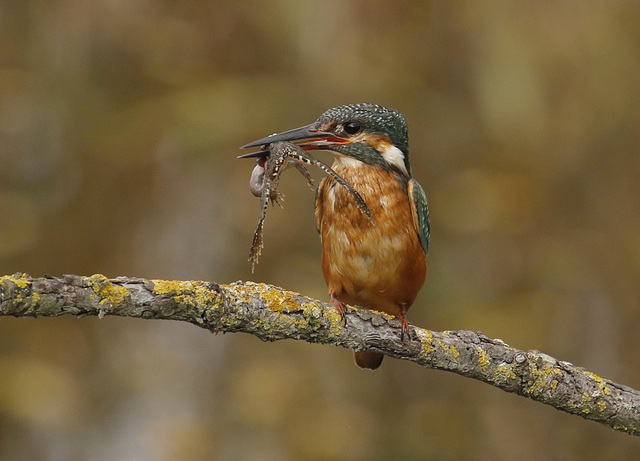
244,293
483,358
284,302
336,322
600,381
503,372
165,287
278,300
543,379
186,293
426,338
451,351
26,299
584,404
585,400
20,280
107,291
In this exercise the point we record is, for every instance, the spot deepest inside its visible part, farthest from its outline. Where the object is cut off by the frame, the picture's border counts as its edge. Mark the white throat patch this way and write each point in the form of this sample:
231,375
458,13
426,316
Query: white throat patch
395,157
348,162
391,154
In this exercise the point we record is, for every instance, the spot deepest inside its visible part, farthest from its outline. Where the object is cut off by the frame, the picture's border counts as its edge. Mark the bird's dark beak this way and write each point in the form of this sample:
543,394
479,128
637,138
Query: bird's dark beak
297,134
309,137
262,153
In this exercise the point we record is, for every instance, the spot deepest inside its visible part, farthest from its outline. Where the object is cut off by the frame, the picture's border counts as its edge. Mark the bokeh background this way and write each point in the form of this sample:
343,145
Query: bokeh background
120,122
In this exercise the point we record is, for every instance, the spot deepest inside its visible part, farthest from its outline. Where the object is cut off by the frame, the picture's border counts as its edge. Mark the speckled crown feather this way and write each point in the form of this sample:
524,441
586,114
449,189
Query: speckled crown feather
374,118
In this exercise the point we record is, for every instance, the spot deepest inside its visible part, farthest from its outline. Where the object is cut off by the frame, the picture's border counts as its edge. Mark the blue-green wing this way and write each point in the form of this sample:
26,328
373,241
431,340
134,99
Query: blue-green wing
420,212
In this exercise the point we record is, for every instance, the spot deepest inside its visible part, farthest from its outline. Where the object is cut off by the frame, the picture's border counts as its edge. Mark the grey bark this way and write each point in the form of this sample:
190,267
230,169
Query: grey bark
271,314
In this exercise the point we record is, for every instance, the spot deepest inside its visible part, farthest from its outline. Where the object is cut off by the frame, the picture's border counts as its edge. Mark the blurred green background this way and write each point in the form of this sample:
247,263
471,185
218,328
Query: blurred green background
120,122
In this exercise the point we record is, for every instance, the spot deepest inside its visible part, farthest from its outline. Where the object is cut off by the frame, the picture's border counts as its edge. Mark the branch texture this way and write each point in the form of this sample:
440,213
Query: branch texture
271,314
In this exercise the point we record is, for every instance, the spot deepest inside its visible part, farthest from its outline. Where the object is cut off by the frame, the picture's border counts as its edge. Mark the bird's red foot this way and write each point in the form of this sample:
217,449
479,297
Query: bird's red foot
404,323
342,308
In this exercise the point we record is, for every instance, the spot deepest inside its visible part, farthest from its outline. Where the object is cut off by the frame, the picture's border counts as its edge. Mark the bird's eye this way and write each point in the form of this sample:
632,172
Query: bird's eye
352,127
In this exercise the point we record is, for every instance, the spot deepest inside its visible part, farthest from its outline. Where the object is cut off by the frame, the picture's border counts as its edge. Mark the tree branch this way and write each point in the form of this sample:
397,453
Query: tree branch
271,314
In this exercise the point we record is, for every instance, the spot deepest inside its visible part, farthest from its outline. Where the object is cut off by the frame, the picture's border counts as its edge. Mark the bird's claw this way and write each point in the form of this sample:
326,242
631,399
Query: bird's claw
404,323
341,307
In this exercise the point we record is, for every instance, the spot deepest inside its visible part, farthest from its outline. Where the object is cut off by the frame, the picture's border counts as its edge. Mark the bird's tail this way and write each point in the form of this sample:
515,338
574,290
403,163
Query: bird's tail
368,360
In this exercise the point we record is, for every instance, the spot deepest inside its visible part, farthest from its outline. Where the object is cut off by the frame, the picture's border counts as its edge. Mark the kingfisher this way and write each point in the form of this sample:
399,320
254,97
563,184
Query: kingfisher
377,262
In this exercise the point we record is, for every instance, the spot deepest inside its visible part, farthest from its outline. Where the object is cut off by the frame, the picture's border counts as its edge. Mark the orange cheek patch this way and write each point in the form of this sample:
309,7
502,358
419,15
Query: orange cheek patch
379,142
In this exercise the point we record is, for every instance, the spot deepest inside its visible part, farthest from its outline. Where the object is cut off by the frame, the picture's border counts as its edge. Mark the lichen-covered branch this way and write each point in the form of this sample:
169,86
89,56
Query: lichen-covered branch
271,314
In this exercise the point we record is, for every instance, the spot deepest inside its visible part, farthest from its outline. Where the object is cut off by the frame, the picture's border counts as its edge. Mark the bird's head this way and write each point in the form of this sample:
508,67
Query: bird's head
367,133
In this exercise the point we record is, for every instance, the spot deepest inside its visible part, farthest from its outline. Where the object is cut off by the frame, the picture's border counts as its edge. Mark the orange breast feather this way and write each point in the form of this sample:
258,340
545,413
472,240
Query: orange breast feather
378,265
